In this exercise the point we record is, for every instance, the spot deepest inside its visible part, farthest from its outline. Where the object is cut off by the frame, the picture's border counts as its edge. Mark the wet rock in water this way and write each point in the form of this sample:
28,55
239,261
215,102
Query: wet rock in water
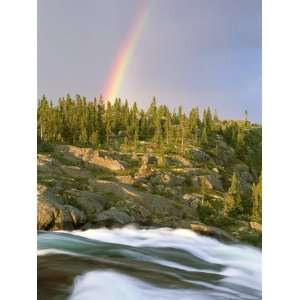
77,216
212,231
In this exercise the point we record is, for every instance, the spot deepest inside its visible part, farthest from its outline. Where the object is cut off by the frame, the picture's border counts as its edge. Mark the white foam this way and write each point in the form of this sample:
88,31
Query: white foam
243,263
115,286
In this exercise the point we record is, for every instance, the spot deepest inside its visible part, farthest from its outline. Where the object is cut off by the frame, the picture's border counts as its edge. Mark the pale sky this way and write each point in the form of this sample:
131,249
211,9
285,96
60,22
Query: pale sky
195,52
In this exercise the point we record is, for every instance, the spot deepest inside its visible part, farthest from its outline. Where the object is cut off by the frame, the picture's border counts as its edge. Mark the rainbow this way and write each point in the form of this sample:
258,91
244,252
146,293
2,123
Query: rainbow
124,55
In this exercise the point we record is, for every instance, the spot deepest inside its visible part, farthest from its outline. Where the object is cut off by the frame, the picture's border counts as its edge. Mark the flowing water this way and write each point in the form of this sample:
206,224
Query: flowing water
142,264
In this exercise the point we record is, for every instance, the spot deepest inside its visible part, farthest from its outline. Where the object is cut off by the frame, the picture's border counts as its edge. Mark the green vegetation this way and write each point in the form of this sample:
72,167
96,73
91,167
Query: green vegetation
215,163
233,205
257,201
83,123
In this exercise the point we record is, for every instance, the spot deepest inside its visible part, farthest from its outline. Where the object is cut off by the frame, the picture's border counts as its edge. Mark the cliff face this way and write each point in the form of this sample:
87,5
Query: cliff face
80,188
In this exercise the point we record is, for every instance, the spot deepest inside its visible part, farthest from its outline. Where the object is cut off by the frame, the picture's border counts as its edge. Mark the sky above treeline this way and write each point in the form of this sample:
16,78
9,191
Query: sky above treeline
190,53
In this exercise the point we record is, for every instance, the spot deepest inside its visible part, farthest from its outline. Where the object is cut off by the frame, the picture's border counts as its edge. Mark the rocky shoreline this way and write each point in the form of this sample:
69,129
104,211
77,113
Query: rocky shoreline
82,188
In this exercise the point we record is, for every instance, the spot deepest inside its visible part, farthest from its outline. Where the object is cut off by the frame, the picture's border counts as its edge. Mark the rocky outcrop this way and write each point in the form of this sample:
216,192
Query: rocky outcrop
53,214
81,188
46,214
90,156
88,202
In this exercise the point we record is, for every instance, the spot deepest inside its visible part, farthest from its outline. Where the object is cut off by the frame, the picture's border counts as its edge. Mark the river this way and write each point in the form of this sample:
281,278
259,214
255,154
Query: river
141,264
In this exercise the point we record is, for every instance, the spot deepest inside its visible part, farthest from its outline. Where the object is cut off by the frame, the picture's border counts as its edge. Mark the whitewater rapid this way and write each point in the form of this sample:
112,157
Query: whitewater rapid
132,263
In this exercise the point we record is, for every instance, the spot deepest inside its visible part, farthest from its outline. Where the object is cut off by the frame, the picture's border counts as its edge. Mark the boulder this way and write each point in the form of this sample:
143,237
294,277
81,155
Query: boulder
149,159
215,170
113,216
167,180
90,203
212,231
125,179
144,171
53,216
256,226
188,197
46,214
215,181
183,161
63,220
199,155
212,182
77,216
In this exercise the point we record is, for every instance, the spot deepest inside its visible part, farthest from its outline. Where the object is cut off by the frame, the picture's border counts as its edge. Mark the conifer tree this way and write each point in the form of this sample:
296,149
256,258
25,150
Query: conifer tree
152,115
157,132
257,201
94,139
181,117
204,140
168,127
233,202
240,140
108,122
193,125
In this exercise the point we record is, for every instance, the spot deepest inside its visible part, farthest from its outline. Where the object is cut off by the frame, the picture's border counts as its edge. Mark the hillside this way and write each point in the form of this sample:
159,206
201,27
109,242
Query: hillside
163,170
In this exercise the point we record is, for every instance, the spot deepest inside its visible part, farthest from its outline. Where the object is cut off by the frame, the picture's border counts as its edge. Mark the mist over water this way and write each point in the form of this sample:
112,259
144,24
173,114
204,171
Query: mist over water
131,263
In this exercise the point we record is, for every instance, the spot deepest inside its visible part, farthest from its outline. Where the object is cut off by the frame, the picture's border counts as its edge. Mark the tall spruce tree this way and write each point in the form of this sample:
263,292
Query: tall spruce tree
233,201
257,201
204,139
181,117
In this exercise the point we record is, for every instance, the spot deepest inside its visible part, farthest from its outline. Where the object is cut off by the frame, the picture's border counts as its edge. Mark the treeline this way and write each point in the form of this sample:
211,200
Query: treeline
93,123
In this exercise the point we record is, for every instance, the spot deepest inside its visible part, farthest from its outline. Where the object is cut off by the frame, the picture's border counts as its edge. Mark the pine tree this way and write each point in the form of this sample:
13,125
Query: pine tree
181,117
152,115
233,201
168,127
257,201
157,132
193,125
108,122
204,140
246,116
240,140
94,139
